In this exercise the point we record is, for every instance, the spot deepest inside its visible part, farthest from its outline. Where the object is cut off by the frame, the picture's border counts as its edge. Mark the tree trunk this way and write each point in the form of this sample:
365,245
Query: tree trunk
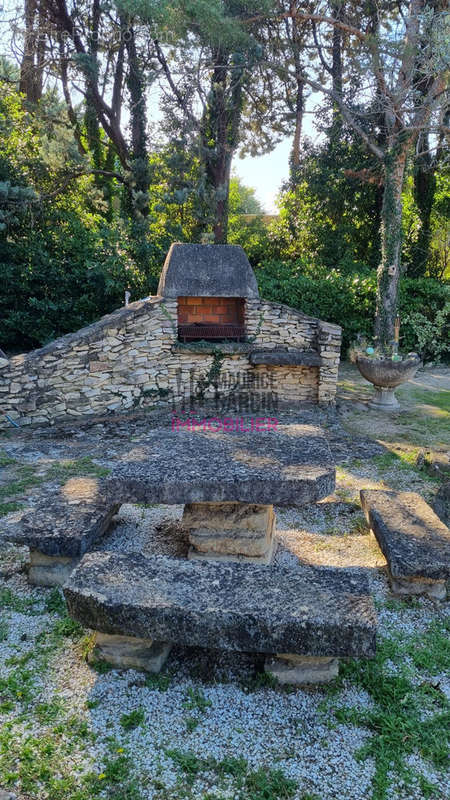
30,82
219,138
391,241
222,188
299,108
424,191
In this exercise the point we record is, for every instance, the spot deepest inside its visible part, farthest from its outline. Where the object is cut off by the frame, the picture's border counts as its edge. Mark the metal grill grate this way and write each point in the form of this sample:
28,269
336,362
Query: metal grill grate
202,330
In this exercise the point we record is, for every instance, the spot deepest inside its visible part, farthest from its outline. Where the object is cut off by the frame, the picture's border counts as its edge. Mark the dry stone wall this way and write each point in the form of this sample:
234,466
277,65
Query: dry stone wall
131,358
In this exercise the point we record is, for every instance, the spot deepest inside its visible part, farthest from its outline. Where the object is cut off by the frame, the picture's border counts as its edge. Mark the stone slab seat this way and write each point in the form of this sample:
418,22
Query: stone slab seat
287,465
68,522
64,526
414,541
309,611
281,358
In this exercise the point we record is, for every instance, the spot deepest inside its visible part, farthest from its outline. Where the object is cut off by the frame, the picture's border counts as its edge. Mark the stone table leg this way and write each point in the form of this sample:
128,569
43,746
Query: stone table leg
130,652
301,670
411,587
50,570
230,531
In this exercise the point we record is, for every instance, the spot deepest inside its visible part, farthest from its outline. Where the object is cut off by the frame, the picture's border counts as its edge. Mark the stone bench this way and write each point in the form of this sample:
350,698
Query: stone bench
414,541
318,613
63,527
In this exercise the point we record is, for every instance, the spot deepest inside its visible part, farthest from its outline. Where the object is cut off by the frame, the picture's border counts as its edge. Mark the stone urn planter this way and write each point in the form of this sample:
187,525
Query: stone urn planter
386,375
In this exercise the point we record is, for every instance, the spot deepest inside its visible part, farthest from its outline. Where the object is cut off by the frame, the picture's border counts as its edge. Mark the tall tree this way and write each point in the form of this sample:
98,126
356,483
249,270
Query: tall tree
216,61
405,57
32,63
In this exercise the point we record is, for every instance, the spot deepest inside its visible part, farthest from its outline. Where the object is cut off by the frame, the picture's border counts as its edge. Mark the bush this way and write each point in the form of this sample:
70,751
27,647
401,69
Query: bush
349,301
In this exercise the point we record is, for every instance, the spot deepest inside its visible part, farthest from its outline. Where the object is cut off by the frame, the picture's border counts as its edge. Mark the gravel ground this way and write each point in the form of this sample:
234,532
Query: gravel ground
210,706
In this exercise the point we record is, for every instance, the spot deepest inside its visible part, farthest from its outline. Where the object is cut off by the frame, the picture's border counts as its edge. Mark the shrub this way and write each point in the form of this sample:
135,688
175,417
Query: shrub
349,301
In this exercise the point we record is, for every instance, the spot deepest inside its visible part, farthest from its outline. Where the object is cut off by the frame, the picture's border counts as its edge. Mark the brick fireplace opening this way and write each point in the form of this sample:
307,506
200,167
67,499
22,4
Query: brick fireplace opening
211,318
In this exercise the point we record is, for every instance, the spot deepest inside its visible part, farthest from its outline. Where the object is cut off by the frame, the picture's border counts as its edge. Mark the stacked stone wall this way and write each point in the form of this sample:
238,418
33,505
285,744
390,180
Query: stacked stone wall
131,358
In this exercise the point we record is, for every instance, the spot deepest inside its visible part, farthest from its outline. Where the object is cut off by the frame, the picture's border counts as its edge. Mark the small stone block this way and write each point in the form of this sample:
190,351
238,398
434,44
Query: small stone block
230,528
411,587
49,570
301,670
68,522
130,652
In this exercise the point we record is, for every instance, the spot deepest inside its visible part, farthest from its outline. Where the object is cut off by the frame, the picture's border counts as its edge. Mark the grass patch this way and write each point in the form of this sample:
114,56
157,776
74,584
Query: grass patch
158,681
79,468
19,486
261,784
21,604
428,397
6,460
132,720
196,701
406,718
8,508
404,461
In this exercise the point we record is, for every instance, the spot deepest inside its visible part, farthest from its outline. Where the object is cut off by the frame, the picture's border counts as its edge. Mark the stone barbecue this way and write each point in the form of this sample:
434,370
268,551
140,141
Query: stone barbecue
159,350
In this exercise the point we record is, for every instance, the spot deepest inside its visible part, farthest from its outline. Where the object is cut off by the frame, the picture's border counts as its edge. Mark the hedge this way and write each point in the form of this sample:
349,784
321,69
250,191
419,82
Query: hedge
349,300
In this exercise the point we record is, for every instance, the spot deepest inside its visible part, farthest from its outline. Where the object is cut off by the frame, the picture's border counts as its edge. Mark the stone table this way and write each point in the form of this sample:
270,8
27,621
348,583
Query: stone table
229,479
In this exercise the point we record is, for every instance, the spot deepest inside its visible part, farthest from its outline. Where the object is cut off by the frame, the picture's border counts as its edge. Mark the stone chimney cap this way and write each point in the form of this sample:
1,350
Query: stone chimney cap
207,270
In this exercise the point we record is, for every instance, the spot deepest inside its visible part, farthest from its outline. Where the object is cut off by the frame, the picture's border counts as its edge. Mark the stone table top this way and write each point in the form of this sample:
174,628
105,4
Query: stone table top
308,611
287,465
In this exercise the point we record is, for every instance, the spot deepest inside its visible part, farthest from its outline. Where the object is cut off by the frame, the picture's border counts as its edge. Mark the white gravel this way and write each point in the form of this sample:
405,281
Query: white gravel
295,731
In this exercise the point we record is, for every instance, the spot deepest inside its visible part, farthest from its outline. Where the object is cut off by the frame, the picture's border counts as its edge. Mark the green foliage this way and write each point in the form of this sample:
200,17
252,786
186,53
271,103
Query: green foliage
158,681
329,212
132,720
406,717
349,301
265,783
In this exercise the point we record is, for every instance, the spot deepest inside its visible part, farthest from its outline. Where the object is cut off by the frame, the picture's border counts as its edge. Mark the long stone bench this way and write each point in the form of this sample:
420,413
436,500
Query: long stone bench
312,612
63,527
414,541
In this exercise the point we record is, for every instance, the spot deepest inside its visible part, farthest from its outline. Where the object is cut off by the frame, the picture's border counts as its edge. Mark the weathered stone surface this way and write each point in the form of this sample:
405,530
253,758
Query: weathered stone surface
264,557
386,373
289,465
307,358
413,539
212,270
442,503
307,611
129,652
302,670
68,522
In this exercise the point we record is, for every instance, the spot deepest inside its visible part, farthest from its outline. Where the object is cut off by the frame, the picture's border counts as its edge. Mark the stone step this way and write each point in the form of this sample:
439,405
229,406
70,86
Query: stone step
307,611
266,463
414,541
